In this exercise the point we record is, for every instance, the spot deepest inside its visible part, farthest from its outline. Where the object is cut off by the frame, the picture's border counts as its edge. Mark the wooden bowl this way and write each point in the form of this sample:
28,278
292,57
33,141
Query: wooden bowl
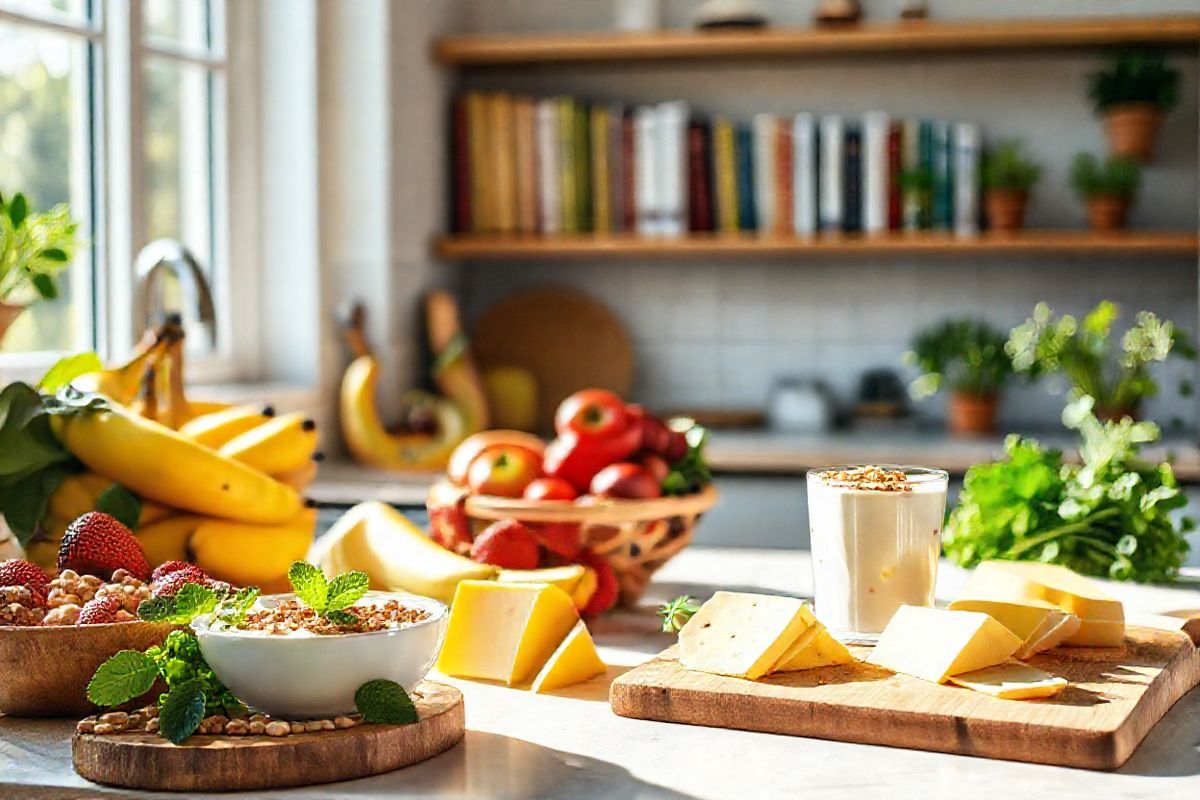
44,670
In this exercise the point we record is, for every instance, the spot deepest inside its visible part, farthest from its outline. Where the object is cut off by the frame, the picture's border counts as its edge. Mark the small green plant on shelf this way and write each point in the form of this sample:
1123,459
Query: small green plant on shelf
967,357
1084,353
35,246
1108,188
1133,93
1008,177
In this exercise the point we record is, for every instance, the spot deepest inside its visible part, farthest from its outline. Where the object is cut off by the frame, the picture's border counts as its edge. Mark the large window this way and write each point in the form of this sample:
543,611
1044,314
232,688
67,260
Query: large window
118,108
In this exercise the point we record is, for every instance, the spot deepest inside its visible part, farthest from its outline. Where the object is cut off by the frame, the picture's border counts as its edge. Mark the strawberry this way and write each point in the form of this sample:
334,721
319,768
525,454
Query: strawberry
100,610
607,588
508,544
167,567
560,538
96,544
172,582
16,572
449,526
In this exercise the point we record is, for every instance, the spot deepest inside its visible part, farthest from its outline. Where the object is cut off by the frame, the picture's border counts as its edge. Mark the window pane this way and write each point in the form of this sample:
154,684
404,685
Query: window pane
45,153
182,22
46,8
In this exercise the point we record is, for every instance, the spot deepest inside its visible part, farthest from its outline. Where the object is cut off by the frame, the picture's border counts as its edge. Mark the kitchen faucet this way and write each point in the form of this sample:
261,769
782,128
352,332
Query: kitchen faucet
150,308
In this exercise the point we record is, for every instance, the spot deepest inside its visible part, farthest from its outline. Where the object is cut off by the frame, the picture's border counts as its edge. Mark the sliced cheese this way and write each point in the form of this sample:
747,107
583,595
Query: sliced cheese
933,643
575,661
822,650
741,634
1012,680
565,577
505,632
1039,624
802,643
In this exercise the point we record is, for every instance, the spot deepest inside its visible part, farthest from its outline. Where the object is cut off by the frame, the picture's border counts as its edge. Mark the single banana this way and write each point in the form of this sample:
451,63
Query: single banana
252,555
216,429
153,512
122,384
370,442
200,408
72,499
283,444
159,464
299,479
167,539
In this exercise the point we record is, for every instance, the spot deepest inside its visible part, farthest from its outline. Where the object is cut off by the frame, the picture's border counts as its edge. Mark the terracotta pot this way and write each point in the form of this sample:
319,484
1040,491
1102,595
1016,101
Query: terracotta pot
1006,209
973,413
1107,212
8,315
1132,129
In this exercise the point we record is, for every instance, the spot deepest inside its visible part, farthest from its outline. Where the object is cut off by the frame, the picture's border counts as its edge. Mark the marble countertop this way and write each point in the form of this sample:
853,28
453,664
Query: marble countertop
571,745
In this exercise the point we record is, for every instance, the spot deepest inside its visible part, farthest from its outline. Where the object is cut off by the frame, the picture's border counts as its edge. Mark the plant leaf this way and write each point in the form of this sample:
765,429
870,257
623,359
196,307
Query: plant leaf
23,502
189,602
182,711
18,209
121,504
45,285
385,702
123,677
54,254
67,369
346,589
309,584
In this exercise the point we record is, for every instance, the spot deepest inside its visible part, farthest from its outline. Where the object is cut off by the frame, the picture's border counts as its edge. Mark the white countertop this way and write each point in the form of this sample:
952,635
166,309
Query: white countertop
570,745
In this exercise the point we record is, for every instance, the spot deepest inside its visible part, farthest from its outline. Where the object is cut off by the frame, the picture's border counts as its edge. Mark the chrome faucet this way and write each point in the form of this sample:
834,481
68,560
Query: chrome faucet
150,308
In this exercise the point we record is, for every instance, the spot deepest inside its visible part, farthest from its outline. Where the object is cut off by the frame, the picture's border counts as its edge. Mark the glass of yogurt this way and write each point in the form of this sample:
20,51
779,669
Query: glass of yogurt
876,535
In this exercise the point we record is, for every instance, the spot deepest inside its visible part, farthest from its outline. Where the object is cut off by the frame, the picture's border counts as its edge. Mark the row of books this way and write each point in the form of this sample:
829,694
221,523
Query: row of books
561,166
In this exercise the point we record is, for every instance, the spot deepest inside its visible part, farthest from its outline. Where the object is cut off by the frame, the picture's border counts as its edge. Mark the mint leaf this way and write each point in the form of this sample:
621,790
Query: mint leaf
309,584
67,369
182,711
125,676
339,617
189,602
26,443
233,610
121,504
23,501
386,703
346,589
156,609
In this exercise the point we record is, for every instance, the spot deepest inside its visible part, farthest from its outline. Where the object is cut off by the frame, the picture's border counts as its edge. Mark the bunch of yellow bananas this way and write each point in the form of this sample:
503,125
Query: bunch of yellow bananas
224,490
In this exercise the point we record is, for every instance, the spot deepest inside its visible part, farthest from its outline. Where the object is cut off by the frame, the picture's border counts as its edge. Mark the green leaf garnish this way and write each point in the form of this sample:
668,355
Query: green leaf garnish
691,472
181,711
189,602
233,610
123,677
385,702
346,589
309,584
67,369
120,504
676,613
338,617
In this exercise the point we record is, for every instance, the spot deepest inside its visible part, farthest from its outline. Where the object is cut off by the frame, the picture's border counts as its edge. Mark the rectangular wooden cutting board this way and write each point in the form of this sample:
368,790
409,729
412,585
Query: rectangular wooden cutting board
1116,696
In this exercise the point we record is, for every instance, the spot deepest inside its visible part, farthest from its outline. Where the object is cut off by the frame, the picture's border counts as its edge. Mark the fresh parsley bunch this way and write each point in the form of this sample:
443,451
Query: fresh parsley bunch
690,473
1109,516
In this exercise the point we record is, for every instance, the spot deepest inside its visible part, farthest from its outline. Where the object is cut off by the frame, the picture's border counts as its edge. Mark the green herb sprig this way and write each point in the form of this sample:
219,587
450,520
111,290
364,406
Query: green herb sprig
327,597
690,473
677,612
385,702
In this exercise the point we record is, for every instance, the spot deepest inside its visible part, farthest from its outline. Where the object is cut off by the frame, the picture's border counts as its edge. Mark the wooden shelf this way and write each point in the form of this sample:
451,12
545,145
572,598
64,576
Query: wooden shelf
923,36
1142,244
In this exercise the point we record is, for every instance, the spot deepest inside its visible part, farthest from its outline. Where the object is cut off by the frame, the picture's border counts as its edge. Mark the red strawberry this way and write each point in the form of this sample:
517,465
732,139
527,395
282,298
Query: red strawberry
507,544
172,582
560,538
16,572
607,588
96,544
449,526
100,610
167,567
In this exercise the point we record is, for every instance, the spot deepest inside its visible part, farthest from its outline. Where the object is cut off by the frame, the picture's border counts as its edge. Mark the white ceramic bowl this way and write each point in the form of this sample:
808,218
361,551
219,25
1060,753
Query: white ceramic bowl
299,677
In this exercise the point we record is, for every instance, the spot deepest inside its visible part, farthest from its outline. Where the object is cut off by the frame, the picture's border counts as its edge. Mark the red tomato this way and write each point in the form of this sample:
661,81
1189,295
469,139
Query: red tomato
577,460
592,413
502,470
625,480
550,489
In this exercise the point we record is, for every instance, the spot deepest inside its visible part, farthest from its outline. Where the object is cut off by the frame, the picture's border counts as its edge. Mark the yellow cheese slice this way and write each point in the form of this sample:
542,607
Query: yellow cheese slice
933,643
1012,680
505,631
1039,624
822,650
742,634
575,661
1102,618
565,577
797,647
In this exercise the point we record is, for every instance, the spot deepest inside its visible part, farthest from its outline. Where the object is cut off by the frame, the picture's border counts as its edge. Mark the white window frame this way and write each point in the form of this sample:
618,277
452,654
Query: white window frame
118,165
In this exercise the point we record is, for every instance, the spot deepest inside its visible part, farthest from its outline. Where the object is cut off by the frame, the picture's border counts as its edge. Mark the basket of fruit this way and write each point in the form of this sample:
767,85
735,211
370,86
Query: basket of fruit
618,490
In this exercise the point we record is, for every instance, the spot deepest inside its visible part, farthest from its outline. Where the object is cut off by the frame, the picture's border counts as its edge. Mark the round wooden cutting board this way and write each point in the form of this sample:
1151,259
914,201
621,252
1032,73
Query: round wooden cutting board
241,763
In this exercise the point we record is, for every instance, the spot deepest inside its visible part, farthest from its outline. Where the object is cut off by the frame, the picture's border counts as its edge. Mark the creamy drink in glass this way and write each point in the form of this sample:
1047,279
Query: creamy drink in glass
876,536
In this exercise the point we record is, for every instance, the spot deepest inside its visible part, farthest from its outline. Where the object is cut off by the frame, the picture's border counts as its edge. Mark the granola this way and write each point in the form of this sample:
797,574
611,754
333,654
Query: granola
869,478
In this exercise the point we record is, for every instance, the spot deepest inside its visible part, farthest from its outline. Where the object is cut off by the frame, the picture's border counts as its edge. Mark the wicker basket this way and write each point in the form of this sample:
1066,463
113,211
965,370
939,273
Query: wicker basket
636,536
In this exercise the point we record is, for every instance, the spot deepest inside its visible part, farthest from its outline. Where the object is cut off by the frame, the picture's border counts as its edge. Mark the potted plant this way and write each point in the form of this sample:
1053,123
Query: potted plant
1007,179
1133,94
1083,353
968,357
1107,187
34,248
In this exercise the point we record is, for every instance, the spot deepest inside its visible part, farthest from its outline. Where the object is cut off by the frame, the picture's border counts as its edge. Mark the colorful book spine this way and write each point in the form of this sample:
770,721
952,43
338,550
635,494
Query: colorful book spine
852,194
875,172
645,156
783,177
910,166
725,175
481,217
895,147
672,153
526,165
567,153
601,207
926,149
616,168
765,143
804,171
629,168
700,196
550,206
504,161
966,179
747,213
943,179
460,154
583,168
832,146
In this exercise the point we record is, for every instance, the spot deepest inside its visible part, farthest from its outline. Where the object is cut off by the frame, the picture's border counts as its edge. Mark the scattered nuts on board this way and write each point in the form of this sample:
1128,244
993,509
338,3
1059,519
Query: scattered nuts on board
146,719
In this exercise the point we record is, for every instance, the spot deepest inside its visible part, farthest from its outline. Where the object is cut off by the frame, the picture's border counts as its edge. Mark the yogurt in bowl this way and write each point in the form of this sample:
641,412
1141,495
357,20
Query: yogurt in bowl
290,664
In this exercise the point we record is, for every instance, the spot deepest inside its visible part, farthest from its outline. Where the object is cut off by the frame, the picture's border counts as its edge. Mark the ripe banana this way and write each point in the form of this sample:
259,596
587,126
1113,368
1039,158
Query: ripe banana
299,479
200,408
159,464
395,554
167,539
122,384
214,430
73,498
279,445
252,555
370,442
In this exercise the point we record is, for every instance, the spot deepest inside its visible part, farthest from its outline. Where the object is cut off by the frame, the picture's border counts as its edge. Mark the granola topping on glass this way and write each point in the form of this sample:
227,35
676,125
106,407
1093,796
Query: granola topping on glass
292,616
869,478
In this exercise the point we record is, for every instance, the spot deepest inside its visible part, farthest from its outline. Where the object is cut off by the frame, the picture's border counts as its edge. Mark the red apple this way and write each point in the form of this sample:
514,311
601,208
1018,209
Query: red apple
592,413
655,464
625,480
473,445
550,489
503,470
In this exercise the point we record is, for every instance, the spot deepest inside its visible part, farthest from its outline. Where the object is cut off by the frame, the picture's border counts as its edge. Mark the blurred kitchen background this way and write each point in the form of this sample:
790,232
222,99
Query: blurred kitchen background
304,151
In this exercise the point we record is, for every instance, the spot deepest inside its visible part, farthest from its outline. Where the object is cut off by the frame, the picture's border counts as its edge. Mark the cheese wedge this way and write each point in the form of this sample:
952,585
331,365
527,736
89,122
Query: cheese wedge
741,634
1012,680
565,577
1102,618
1039,625
821,650
505,632
933,643
575,661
